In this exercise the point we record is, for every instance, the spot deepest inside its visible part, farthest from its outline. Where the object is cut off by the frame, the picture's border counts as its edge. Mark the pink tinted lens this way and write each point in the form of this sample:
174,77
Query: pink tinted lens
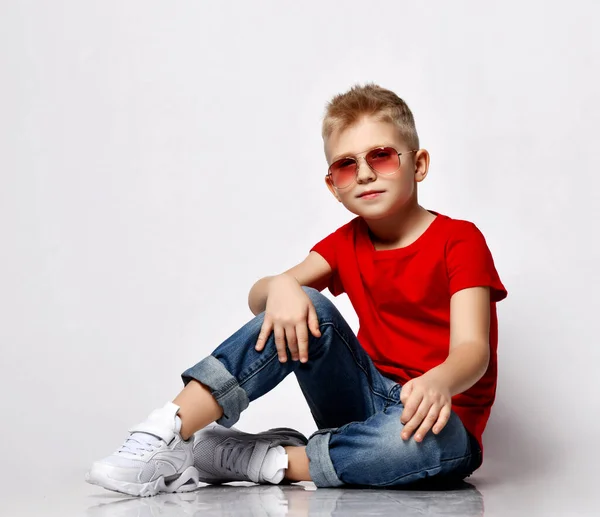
383,159
343,172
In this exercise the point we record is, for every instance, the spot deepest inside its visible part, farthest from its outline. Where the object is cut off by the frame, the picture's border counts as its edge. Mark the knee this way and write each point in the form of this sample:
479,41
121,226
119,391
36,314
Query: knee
323,305
374,453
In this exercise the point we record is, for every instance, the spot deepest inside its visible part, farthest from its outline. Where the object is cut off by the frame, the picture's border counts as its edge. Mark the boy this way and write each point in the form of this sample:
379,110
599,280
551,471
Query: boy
405,400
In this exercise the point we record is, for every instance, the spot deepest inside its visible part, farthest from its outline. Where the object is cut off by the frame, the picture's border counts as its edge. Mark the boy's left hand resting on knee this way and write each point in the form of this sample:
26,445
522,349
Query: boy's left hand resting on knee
427,401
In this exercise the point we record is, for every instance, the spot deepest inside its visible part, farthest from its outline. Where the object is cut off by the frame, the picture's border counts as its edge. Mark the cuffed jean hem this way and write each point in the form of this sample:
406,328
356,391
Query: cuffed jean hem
320,466
223,386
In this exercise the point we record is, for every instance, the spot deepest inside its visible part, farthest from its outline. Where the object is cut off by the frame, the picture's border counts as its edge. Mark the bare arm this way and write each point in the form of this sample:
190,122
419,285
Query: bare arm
428,399
469,354
314,271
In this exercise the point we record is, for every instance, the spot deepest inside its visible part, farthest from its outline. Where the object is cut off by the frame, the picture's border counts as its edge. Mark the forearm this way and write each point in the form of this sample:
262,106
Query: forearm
257,297
463,367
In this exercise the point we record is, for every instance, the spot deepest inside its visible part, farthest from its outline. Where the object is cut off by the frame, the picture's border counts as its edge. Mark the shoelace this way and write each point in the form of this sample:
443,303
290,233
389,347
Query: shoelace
138,443
230,458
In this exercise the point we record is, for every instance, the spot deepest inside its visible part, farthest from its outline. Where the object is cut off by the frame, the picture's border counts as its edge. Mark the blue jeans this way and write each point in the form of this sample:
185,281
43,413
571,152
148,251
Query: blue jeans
356,408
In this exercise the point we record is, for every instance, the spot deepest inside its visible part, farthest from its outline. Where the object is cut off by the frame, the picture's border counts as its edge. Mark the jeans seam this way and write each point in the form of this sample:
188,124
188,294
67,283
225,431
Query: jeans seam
343,338
255,372
242,381
228,390
421,470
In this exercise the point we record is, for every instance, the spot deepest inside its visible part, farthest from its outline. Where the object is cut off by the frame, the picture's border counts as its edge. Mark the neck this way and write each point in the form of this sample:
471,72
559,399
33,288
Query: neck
399,227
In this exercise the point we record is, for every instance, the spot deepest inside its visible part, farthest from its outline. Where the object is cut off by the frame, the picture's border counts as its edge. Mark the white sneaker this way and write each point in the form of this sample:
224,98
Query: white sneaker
225,454
153,459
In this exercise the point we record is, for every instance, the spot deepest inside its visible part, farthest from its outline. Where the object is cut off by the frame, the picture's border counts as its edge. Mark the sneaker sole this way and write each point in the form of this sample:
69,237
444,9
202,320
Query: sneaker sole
186,482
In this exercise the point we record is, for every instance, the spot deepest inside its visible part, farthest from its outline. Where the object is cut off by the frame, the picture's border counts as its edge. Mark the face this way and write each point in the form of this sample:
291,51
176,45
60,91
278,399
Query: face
397,190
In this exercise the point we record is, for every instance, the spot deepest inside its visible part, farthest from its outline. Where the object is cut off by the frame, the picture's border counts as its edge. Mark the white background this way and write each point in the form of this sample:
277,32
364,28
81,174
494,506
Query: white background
157,158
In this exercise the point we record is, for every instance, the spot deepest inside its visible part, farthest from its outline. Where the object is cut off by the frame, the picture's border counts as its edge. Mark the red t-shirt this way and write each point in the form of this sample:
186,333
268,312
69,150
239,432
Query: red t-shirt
402,300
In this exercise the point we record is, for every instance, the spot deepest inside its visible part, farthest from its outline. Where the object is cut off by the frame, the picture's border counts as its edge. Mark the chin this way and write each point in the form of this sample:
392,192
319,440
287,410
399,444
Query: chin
372,213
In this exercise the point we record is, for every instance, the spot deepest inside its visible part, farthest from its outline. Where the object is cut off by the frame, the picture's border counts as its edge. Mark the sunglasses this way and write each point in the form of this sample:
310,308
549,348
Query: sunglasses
382,160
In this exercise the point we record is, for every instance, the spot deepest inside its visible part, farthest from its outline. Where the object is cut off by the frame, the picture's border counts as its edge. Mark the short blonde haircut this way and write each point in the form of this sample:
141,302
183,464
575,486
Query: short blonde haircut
345,109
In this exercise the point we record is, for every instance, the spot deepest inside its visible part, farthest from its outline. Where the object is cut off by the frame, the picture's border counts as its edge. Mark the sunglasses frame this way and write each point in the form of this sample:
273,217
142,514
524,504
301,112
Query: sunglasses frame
355,158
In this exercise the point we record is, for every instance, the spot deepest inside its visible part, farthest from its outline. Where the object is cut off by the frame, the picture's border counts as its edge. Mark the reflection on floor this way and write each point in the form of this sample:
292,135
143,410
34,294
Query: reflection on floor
553,493
297,500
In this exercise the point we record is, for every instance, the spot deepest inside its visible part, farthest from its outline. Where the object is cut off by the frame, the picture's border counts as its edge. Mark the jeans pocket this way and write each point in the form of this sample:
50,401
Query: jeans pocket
393,395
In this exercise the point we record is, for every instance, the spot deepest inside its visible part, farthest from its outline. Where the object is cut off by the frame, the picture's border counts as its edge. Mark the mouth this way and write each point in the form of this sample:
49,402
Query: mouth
370,194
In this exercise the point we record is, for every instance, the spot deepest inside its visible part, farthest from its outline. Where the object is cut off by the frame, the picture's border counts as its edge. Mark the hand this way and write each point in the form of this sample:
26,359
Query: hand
289,313
427,401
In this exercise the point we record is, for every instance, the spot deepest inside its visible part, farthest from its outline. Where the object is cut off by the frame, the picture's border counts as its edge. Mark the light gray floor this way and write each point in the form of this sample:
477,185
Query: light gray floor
550,496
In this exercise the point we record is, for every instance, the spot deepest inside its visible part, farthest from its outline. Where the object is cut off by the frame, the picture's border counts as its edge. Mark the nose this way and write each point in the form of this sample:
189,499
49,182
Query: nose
364,173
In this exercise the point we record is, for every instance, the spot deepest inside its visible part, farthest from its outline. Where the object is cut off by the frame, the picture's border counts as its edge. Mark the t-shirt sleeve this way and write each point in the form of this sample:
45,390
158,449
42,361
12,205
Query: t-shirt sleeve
327,248
470,263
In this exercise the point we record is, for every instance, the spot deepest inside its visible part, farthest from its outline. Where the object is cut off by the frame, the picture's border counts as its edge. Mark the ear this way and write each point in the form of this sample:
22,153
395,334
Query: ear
421,164
332,188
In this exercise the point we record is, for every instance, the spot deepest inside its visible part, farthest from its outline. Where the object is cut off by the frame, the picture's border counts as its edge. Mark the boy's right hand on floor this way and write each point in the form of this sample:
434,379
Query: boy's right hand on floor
289,314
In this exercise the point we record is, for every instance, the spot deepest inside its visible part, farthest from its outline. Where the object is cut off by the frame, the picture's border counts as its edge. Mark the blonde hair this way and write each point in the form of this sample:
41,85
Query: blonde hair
345,109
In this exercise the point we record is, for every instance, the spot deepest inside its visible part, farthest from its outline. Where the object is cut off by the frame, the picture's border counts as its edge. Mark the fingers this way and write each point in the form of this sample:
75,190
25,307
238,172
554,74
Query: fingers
313,321
405,392
428,422
415,420
292,342
442,420
302,334
281,336
410,406
279,333
265,332
426,417
294,337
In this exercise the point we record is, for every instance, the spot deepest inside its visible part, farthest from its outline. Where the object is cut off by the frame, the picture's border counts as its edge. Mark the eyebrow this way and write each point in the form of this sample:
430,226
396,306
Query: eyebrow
350,155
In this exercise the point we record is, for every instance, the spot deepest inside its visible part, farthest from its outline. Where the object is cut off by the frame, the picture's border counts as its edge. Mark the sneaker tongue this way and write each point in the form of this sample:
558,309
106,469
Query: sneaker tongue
236,460
147,437
245,458
138,442
163,423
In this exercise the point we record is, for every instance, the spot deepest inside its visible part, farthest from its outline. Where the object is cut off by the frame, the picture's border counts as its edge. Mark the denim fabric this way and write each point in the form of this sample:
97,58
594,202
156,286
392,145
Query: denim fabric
356,408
